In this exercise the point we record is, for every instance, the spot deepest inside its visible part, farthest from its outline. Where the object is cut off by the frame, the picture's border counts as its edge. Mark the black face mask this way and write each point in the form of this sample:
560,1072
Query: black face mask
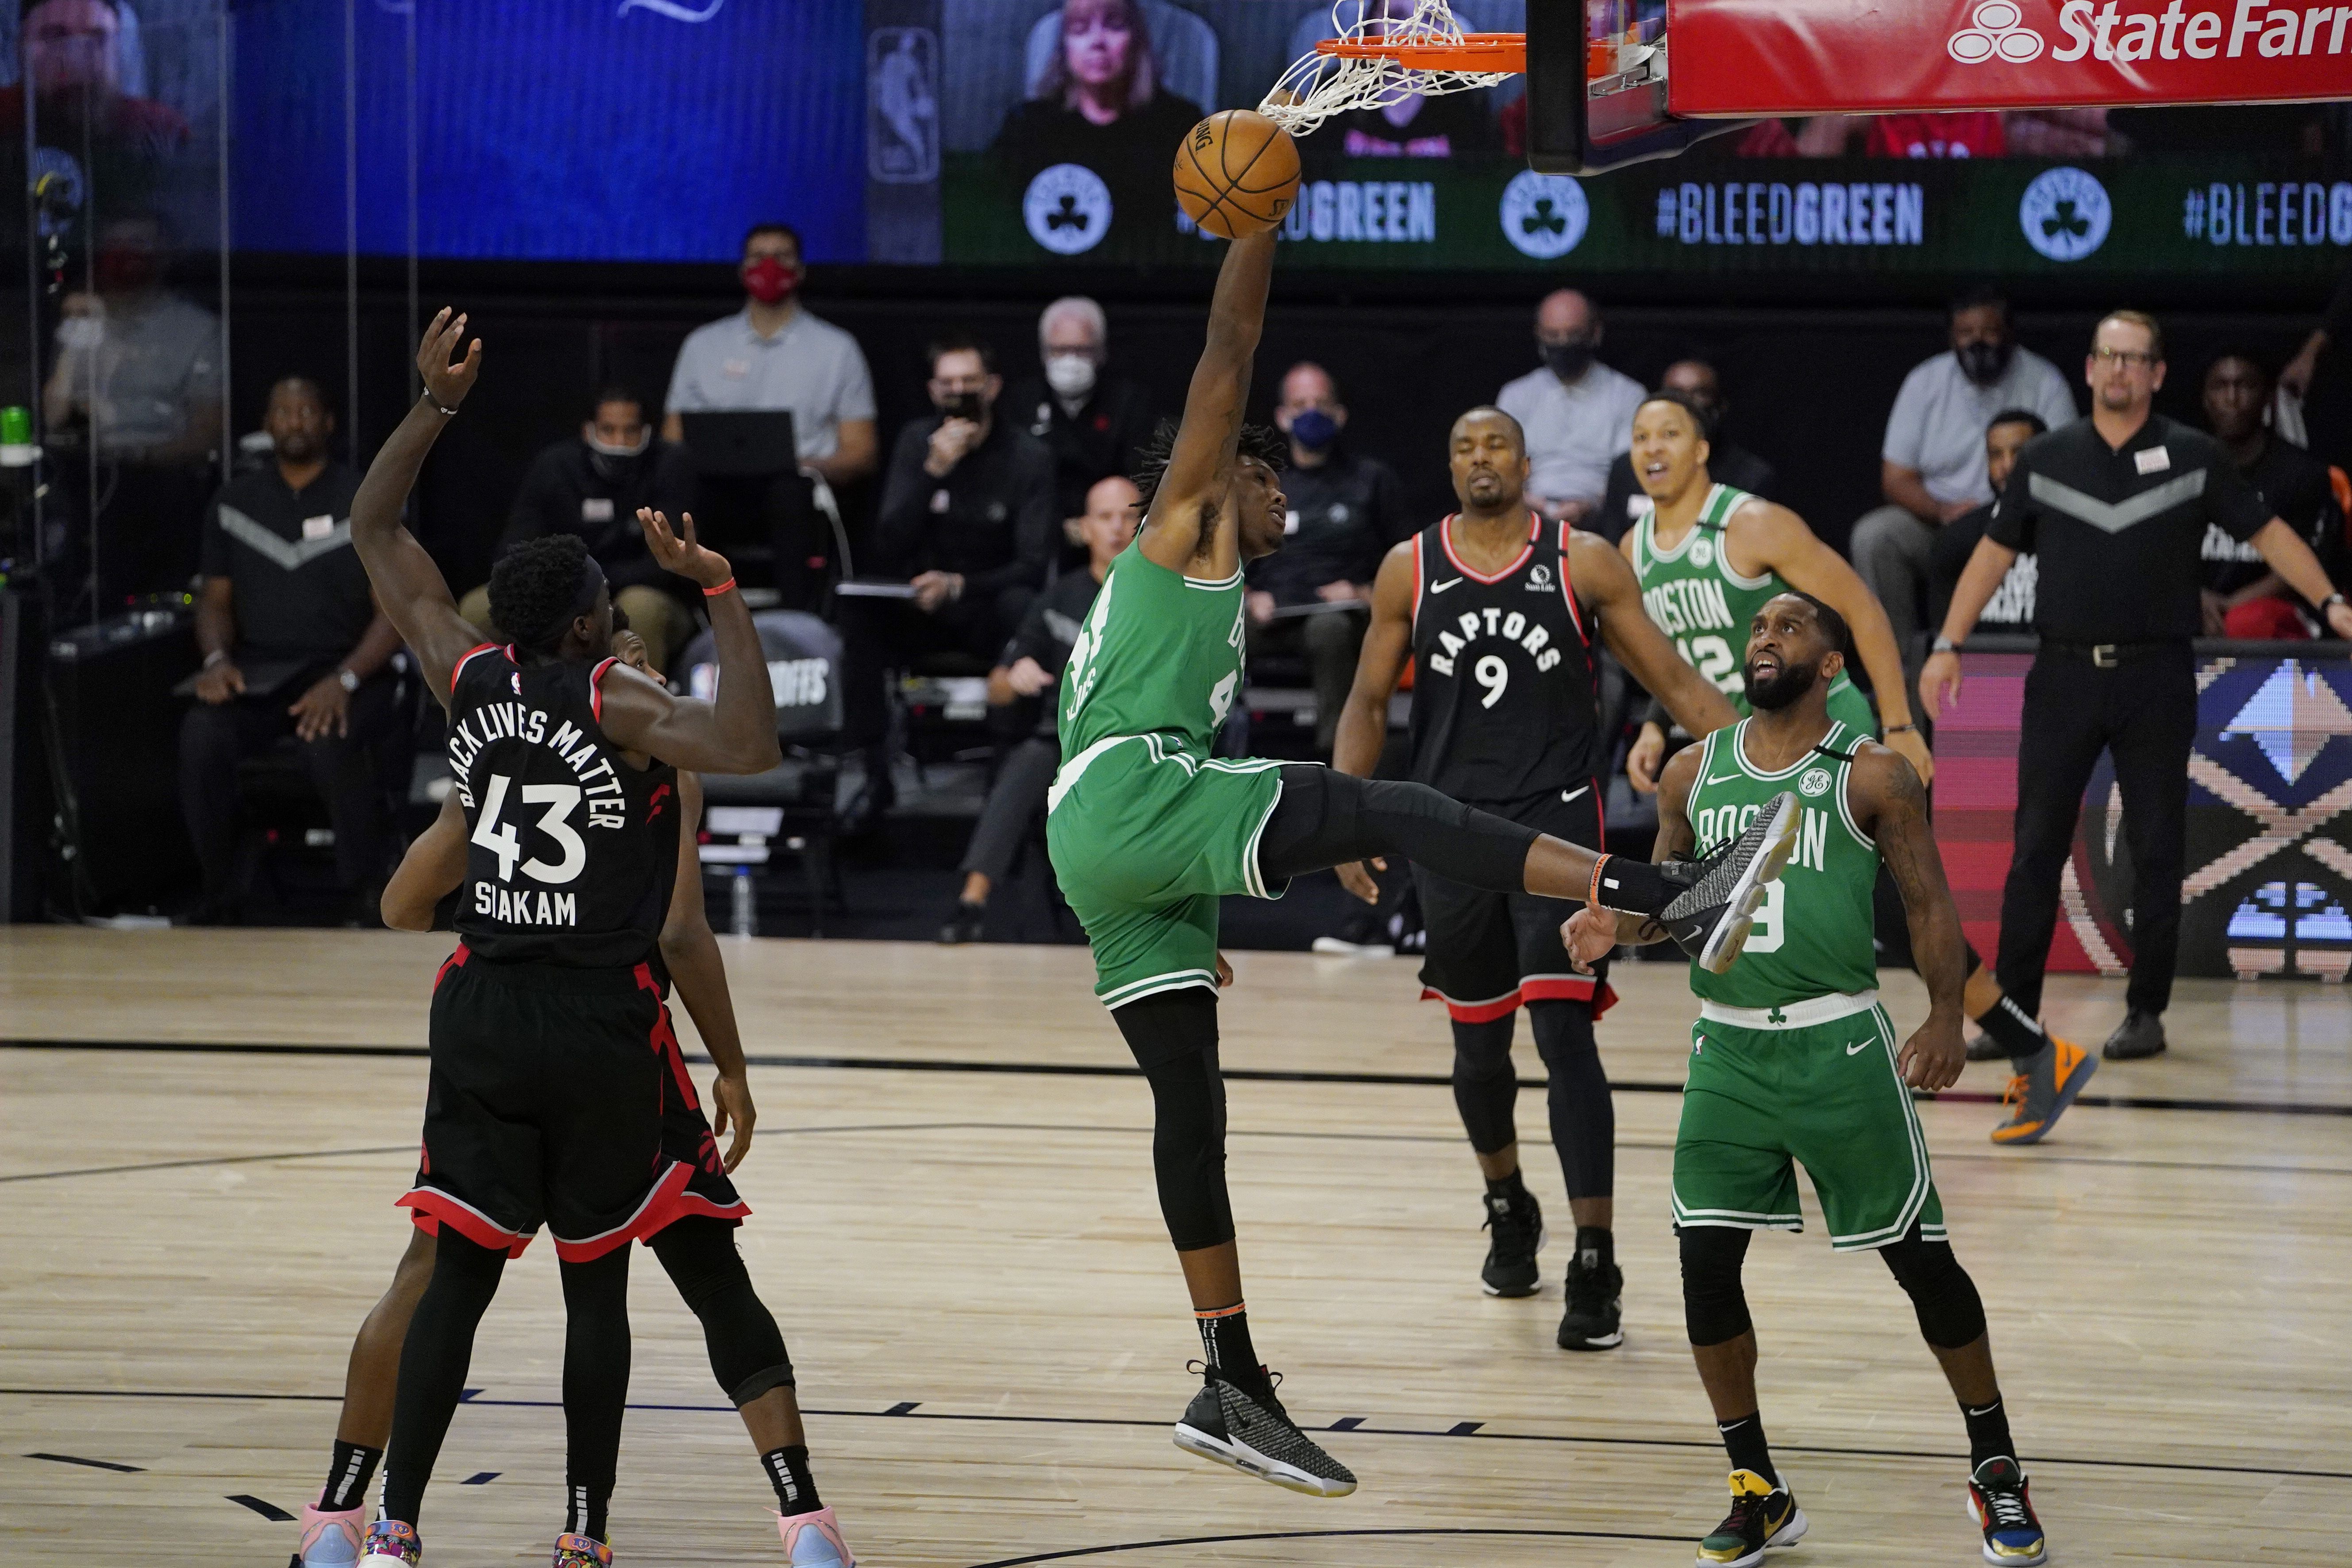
616,470
1566,360
1984,363
968,405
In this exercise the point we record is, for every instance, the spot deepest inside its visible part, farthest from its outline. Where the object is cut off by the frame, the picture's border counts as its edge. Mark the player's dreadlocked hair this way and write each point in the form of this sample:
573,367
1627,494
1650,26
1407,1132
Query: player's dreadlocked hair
534,587
1263,442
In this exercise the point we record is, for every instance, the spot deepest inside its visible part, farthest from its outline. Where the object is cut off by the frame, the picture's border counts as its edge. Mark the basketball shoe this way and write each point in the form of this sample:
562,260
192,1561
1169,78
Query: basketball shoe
329,1540
1762,1516
1999,1503
1711,917
1592,1321
581,1551
1518,1235
814,1541
390,1544
2040,1095
1248,1429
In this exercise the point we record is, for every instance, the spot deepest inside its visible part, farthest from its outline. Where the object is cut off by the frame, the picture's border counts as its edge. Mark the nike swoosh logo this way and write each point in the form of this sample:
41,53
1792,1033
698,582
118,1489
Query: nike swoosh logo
1569,794
1857,1050
1449,582
1727,778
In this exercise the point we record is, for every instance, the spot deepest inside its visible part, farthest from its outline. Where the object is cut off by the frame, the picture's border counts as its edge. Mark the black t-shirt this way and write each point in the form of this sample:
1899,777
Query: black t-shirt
300,592
1344,515
2293,487
1133,155
568,491
991,518
1726,464
2010,611
2119,531
1097,441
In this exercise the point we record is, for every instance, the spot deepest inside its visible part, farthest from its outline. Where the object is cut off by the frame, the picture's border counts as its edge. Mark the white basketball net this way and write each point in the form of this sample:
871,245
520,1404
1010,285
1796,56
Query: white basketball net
1319,86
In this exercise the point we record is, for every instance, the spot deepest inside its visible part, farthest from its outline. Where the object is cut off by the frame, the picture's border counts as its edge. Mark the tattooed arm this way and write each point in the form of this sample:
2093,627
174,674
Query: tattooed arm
1886,795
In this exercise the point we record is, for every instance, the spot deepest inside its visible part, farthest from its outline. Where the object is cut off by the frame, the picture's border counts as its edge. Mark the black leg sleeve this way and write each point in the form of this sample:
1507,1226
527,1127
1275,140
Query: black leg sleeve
596,1367
1327,819
1583,1117
747,1350
1715,1307
1174,1038
432,1361
1486,1084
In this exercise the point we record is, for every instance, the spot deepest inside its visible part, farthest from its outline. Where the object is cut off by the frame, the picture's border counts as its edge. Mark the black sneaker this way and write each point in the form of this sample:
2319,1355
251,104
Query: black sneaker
1762,1515
1592,1321
1248,1429
1518,1235
1711,917
963,924
2140,1036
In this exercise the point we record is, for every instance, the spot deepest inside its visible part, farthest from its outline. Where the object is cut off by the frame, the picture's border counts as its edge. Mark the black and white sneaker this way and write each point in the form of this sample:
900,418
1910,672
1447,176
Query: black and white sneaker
1517,1228
1711,917
1248,1429
1593,1320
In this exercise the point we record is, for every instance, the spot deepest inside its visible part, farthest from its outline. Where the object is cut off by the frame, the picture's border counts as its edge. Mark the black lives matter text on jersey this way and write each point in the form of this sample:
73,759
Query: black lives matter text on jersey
598,797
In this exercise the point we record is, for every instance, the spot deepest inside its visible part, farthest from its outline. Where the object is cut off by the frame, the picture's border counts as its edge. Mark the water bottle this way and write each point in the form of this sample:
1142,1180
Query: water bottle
747,906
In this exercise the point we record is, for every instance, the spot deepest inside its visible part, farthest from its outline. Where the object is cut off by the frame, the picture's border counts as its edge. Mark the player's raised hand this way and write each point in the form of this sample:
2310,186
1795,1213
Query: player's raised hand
1355,877
679,552
448,375
1933,1057
1590,935
730,1106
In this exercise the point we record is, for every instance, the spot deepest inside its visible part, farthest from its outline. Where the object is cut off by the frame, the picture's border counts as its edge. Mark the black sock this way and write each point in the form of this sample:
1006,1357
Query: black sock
1744,1440
1510,1188
1596,1245
1225,1341
788,1472
348,1474
1987,1432
1634,887
584,1509
2013,1030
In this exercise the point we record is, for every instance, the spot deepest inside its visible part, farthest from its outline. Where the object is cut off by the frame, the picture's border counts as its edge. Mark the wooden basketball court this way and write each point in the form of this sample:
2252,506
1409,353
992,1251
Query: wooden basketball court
956,1227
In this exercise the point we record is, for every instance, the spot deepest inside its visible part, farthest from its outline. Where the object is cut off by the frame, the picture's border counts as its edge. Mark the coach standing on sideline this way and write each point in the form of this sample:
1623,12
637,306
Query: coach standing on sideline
2116,506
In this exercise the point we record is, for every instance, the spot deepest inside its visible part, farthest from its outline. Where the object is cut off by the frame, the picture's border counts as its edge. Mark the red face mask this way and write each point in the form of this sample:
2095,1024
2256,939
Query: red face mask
770,281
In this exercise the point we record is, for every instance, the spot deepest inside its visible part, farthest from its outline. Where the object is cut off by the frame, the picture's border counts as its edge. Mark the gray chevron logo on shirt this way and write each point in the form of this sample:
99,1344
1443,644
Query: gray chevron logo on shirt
2117,516
285,554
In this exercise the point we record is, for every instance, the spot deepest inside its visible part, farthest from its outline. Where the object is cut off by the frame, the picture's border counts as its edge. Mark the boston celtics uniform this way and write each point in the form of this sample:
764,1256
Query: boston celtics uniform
1696,598
1792,1059
1146,829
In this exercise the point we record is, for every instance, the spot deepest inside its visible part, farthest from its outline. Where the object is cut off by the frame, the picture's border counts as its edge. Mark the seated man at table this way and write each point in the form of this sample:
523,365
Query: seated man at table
2243,596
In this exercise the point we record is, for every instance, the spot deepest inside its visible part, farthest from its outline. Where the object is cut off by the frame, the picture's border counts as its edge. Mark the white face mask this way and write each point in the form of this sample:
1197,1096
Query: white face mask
80,333
612,449
1069,374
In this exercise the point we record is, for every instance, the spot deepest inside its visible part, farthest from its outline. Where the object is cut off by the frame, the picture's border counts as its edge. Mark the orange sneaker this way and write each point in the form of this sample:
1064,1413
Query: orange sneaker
2039,1096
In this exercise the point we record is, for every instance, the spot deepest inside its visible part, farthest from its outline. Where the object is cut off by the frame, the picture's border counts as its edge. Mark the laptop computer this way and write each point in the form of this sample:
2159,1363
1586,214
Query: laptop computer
742,443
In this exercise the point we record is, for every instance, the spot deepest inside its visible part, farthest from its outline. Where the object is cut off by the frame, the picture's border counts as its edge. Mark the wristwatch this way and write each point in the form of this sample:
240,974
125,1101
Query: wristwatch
351,680
1945,645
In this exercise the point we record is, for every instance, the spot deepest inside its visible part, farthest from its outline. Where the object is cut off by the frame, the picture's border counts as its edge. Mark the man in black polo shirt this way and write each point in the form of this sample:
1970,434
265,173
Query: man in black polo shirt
1345,513
592,485
2116,507
293,645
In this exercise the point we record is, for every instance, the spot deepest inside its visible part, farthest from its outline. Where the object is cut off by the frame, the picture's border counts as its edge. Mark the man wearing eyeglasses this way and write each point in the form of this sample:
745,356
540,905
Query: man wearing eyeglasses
2116,506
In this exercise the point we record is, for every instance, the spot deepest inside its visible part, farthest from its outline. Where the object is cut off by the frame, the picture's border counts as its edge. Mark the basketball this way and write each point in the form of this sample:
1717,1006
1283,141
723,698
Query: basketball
1237,172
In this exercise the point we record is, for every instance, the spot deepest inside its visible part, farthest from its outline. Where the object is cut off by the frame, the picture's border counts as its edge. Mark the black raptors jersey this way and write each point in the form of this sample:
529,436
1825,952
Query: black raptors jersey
1503,710
570,852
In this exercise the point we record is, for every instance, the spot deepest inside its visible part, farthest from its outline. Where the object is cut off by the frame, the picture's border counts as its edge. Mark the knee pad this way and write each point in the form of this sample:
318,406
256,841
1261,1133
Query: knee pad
1482,1052
1715,1307
1950,1312
1485,1087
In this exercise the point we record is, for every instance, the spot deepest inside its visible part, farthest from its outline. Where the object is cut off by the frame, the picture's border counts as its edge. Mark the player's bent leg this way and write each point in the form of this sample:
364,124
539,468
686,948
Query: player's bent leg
331,1528
432,1361
1485,1088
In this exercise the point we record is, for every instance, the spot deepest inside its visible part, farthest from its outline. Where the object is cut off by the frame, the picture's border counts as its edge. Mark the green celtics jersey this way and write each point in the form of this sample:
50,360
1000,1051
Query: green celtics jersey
1695,596
1813,935
1160,653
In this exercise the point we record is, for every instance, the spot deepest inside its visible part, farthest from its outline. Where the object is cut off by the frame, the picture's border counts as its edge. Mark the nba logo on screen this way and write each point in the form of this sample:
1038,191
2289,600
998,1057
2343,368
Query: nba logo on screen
2065,214
1066,208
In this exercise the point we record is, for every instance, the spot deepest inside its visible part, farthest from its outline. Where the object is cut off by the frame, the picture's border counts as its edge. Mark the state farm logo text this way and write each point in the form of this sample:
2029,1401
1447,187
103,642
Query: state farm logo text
1998,33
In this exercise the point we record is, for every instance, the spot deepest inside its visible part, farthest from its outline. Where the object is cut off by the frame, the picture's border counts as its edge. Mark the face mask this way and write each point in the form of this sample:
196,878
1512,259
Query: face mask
770,281
965,406
1070,375
1566,360
1984,363
1314,429
80,333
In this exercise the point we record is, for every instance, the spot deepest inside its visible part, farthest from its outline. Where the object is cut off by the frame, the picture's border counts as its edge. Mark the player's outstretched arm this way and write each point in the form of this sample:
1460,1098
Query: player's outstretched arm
429,872
1590,932
1604,579
1364,721
1886,794
1778,538
407,583
736,732
691,951
1194,484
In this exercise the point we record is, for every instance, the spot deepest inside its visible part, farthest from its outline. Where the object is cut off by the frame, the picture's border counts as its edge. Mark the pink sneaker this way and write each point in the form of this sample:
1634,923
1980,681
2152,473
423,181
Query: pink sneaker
329,1540
581,1551
813,1541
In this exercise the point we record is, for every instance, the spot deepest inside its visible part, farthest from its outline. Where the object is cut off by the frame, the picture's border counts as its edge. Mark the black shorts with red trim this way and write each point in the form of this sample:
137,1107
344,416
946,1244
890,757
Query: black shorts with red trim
1490,952
559,1096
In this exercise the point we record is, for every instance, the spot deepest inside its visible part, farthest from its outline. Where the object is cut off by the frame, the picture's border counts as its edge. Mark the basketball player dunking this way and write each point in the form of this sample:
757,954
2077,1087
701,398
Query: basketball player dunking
549,1065
1147,831
698,1252
1498,612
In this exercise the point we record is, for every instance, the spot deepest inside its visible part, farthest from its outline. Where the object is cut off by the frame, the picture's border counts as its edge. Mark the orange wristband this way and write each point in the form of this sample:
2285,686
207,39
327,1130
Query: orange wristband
1592,892
723,587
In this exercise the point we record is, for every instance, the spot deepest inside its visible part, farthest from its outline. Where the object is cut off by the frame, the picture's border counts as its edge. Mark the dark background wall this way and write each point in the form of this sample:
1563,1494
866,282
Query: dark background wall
1810,382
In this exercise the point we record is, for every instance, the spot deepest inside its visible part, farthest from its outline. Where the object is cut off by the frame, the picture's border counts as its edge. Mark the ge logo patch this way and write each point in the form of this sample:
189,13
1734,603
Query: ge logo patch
2000,32
2065,214
1544,215
1702,551
1067,208
1815,783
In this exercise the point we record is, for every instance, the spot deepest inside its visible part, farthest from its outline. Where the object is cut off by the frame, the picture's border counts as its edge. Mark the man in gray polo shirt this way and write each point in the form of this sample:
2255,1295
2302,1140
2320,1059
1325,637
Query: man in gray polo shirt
1932,466
1578,413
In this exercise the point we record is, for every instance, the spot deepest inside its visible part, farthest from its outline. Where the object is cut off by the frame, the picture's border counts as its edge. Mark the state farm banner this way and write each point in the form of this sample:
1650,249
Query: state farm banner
1811,56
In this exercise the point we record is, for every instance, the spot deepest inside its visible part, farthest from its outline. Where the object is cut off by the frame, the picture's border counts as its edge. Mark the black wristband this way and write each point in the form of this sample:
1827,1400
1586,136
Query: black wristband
1899,730
1630,887
445,413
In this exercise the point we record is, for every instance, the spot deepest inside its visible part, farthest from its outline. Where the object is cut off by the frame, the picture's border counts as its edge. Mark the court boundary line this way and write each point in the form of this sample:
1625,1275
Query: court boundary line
1235,1074
910,1410
1326,1534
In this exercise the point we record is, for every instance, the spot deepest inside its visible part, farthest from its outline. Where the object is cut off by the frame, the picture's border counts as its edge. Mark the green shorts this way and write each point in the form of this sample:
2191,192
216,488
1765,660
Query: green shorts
1145,838
1760,1099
